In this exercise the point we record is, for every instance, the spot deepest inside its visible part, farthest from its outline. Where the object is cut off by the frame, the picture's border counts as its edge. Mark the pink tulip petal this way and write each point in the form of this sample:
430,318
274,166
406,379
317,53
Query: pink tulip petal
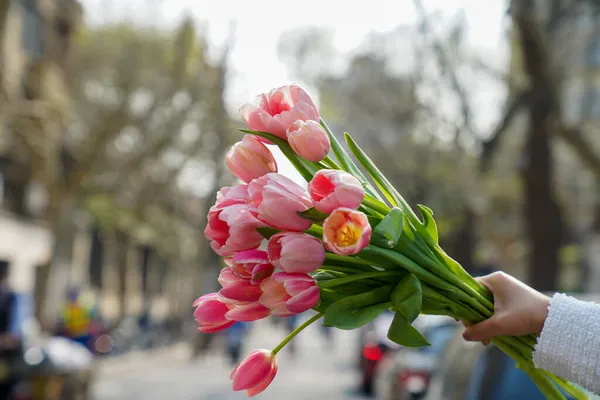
248,312
251,376
206,297
213,328
226,276
243,291
274,297
251,256
211,312
260,388
261,272
304,301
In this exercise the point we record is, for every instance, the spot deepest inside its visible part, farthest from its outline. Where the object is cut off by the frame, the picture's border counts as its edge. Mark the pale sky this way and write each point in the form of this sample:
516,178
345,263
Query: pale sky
259,24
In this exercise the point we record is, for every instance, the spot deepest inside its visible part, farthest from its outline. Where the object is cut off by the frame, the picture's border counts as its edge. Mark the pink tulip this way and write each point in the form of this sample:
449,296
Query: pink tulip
232,222
296,252
255,372
275,111
309,140
237,290
287,294
252,265
249,159
232,229
331,189
211,313
277,199
346,231
247,312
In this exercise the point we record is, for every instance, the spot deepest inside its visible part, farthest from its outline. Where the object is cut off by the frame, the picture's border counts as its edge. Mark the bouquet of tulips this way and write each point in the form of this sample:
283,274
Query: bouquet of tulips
349,247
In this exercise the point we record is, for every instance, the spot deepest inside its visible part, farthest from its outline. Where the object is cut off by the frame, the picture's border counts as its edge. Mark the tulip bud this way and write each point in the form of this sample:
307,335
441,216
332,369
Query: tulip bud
249,159
287,294
309,140
296,252
252,265
330,189
255,373
346,231
210,313
277,200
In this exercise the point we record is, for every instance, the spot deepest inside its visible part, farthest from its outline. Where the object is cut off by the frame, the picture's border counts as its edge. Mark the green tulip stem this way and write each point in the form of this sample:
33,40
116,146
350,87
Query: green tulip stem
351,262
296,331
376,205
543,382
346,270
452,285
357,277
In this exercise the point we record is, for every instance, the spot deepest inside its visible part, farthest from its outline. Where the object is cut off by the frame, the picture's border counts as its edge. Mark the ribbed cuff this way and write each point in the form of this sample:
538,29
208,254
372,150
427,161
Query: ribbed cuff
569,345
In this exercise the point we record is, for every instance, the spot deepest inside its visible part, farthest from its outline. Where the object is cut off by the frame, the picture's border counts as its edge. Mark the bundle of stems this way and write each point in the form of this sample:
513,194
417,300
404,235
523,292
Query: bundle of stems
403,268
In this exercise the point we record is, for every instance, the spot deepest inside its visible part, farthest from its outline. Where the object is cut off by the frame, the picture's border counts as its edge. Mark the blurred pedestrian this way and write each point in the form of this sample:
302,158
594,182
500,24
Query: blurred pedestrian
235,336
77,320
327,333
15,310
291,323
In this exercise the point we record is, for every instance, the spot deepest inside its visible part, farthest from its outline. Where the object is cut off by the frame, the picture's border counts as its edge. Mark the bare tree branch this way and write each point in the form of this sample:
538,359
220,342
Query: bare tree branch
445,63
490,145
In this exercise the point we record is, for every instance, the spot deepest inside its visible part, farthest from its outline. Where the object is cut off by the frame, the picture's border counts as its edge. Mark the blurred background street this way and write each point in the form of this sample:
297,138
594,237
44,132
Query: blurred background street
315,371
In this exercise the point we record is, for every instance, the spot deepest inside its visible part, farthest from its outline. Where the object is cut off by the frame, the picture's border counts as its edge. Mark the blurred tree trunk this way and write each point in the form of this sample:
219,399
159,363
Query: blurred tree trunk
462,240
543,216
61,212
96,259
17,176
542,213
122,241
592,254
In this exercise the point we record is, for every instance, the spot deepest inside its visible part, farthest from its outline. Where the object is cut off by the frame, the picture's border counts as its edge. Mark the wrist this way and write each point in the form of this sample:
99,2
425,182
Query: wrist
542,314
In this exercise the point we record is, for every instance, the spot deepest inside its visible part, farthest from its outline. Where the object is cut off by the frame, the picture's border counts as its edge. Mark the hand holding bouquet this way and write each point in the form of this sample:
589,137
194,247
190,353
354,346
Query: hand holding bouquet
348,247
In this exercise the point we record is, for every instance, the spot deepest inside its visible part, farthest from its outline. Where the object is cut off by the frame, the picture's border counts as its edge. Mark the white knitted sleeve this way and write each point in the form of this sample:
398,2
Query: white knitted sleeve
569,345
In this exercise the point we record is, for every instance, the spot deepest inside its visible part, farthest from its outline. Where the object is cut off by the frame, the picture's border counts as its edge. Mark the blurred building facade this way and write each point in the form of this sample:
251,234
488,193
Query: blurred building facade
35,42
35,51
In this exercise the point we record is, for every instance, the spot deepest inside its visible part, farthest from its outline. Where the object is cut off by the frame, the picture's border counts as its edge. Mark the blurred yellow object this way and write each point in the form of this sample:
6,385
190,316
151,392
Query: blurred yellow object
4,370
77,319
47,387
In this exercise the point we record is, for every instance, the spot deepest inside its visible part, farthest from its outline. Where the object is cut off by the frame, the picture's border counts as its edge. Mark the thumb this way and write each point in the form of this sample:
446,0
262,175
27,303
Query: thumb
482,331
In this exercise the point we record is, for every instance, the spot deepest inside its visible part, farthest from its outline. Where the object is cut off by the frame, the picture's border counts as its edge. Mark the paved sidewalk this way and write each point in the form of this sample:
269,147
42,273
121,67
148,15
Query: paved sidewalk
315,373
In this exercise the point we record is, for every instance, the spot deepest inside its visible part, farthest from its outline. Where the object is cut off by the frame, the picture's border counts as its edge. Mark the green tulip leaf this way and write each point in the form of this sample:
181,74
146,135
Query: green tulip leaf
321,276
404,334
312,214
267,232
387,233
327,298
346,163
380,181
428,222
407,297
351,288
352,312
